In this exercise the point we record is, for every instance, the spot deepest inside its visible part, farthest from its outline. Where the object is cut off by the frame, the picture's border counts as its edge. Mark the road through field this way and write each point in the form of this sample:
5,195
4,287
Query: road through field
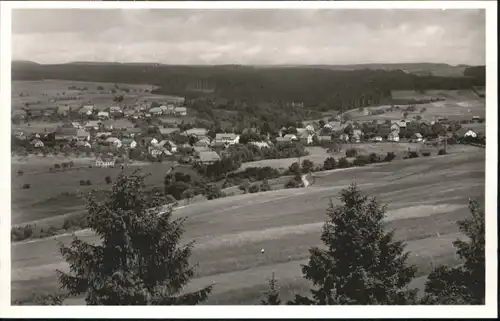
425,199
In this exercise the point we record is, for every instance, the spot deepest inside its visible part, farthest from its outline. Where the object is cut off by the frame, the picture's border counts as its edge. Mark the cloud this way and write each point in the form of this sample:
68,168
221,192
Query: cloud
191,36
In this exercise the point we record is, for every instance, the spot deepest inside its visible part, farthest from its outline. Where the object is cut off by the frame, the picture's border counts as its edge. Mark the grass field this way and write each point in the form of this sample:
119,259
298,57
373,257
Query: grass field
318,154
424,198
40,202
39,94
458,105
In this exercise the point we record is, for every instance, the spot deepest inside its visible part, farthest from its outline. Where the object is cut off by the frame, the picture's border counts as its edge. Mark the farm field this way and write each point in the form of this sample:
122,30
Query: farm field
39,202
458,105
425,199
318,154
41,93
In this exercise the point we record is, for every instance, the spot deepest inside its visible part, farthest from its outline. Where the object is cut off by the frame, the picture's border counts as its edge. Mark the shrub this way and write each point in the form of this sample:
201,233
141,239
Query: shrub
361,161
107,179
57,166
89,182
26,186
330,163
351,152
373,158
390,156
21,233
83,182
426,154
212,192
254,188
295,182
294,168
307,165
344,163
412,154
442,152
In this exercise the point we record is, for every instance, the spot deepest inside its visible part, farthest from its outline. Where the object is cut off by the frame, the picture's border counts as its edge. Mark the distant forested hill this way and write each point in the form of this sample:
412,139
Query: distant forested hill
313,85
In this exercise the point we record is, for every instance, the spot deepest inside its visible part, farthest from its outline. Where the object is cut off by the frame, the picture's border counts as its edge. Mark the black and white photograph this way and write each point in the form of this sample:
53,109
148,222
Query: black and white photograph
330,155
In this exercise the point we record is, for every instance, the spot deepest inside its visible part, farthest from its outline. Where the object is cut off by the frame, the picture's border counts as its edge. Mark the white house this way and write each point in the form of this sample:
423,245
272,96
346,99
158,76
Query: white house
290,137
155,111
260,144
344,137
333,126
395,127
466,132
103,115
105,162
417,137
393,137
180,111
227,139
37,143
356,135
114,141
305,137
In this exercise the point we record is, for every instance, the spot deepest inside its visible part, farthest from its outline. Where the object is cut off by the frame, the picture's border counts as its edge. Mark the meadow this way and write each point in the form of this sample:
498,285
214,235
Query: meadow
425,199
457,105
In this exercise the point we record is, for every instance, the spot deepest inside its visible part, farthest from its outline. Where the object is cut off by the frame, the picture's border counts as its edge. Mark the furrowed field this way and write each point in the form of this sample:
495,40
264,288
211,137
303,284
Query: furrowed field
425,199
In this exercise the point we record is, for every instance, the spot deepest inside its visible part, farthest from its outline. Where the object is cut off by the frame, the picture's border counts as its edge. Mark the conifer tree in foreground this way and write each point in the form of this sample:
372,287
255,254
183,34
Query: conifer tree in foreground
272,295
361,263
464,284
140,261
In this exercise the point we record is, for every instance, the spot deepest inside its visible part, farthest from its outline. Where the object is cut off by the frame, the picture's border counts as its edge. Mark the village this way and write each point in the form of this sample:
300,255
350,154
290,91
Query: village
97,133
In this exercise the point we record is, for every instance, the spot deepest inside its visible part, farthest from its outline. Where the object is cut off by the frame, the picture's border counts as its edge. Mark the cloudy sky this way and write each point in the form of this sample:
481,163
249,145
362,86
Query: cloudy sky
249,36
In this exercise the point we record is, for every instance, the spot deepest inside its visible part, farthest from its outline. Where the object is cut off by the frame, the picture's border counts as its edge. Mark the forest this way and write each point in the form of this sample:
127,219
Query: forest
317,88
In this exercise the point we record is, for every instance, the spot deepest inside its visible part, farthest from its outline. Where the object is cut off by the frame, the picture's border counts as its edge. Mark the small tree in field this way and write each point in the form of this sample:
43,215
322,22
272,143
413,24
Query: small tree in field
360,264
107,179
464,284
272,295
139,261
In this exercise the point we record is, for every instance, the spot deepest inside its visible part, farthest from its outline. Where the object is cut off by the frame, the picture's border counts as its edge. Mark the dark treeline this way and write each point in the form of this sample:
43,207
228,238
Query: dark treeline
315,87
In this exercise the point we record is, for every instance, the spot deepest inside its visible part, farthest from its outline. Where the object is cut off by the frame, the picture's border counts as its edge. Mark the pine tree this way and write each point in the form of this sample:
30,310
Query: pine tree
464,284
140,261
272,295
360,264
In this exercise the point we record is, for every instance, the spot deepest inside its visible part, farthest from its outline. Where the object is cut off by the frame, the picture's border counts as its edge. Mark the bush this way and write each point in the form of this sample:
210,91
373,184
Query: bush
83,182
26,186
361,161
426,154
107,179
344,163
307,165
330,163
390,156
442,152
373,158
295,182
57,166
294,169
351,152
89,182
212,192
21,233
412,154
254,188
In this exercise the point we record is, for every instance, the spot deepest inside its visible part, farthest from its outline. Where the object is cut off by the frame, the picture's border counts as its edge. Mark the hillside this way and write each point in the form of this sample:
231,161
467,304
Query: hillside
319,87
425,201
